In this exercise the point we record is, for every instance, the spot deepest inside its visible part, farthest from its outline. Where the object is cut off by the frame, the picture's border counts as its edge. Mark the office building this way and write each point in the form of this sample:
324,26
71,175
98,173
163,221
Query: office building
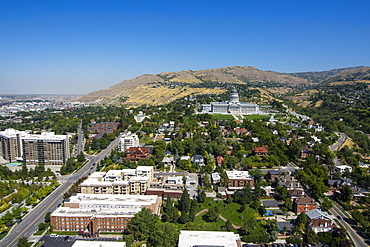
92,214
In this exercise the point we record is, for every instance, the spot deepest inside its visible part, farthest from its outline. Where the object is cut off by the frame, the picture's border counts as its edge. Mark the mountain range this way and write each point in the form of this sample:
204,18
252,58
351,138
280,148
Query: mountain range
155,89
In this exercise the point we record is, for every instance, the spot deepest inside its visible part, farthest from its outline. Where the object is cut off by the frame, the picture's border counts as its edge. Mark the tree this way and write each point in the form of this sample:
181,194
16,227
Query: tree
346,193
310,236
164,234
288,204
300,222
228,226
193,208
327,204
184,218
212,214
142,224
257,175
281,192
243,196
80,157
201,196
184,202
47,217
23,242
170,210
248,226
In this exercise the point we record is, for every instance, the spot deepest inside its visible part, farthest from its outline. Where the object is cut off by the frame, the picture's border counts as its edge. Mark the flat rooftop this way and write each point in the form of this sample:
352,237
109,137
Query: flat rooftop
239,175
96,212
112,199
83,243
208,238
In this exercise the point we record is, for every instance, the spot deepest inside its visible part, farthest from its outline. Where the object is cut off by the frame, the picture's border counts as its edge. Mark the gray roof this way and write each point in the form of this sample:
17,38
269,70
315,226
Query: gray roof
317,214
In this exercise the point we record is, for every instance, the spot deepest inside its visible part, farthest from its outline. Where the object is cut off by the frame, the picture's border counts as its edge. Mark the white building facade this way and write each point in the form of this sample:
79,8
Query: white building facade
233,106
128,140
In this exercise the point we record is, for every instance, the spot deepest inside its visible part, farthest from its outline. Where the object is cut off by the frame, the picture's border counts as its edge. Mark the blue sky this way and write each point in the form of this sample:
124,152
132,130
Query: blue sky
80,46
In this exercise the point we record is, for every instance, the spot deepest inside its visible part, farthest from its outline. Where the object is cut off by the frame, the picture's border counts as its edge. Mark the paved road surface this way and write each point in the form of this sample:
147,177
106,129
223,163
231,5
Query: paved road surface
339,142
357,236
29,223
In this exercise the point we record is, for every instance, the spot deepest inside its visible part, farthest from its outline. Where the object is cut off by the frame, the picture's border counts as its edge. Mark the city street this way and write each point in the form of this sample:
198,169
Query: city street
30,222
352,230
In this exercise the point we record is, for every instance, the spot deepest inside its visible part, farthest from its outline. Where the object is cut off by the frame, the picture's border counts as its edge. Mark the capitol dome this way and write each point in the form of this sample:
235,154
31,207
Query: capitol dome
234,96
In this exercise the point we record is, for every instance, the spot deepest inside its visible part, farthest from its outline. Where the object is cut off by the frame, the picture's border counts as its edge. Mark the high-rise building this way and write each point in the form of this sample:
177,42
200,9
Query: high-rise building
11,145
47,149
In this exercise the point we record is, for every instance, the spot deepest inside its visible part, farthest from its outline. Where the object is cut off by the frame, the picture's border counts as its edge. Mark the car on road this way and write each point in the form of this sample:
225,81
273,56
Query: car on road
339,218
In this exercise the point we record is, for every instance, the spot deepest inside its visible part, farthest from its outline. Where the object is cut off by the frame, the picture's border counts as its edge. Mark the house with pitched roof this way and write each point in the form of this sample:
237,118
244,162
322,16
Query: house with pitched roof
304,204
137,153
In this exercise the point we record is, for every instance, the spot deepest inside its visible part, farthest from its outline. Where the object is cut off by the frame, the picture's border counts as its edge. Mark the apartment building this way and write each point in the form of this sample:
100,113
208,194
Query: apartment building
166,185
238,179
128,140
11,144
47,149
95,213
124,182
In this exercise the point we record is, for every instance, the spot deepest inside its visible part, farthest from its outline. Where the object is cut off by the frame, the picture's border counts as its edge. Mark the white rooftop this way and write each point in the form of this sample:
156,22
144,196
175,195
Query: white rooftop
100,199
83,243
216,176
207,238
96,212
114,173
238,175
144,168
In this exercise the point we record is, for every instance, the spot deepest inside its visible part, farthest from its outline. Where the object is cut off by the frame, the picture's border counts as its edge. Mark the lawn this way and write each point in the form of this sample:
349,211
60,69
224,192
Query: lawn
185,120
230,211
222,117
201,225
256,117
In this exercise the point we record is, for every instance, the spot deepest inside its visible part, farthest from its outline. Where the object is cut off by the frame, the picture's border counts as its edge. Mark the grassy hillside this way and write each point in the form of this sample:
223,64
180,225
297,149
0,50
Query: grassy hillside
168,86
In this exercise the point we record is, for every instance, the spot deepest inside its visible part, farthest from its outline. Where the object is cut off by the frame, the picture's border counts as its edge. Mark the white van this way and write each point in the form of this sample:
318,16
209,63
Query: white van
54,235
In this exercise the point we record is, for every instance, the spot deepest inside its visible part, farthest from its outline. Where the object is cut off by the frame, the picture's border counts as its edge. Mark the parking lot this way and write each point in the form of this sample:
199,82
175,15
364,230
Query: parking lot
67,241
60,241
271,204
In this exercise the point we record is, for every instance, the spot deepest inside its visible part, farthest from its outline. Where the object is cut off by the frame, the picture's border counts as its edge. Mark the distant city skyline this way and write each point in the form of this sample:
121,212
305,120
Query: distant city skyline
76,47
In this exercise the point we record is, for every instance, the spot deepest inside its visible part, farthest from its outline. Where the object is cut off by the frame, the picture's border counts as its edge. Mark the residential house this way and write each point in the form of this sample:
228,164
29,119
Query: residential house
340,182
273,174
321,225
318,215
260,151
296,193
304,204
216,178
219,160
198,160
306,152
343,168
138,153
